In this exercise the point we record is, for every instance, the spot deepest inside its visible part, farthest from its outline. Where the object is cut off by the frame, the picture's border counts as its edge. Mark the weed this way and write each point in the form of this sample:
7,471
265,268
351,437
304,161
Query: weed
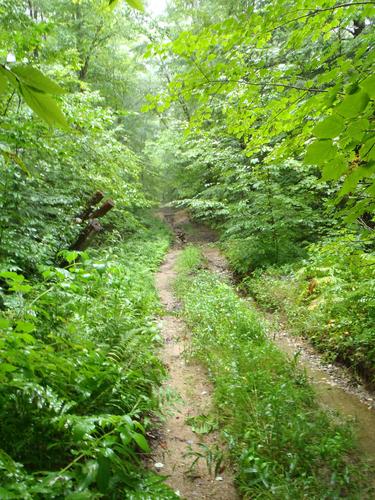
202,424
213,456
328,299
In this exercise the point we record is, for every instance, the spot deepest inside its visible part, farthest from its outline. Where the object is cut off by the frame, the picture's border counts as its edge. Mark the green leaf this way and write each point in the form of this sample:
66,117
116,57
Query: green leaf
357,128
7,368
29,339
4,323
104,473
113,3
319,152
70,256
44,106
79,495
330,127
7,462
34,78
202,424
17,287
8,76
334,169
12,276
368,149
89,473
368,85
371,190
9,155
356,211
82,428
24,326
3,82
353,178
136,4
353,104
141,441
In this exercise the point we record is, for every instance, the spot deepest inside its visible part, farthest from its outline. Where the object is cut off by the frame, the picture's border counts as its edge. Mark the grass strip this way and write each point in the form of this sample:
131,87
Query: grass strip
282,443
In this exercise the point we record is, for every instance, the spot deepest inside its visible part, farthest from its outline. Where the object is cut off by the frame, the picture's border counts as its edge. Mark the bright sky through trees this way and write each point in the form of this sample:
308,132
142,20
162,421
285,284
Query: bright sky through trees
156,7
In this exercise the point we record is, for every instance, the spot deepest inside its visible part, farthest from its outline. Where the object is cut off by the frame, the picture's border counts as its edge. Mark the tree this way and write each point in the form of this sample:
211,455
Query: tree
279,78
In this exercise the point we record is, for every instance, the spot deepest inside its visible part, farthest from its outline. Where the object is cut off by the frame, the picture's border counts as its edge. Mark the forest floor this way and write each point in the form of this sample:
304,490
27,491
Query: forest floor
188,390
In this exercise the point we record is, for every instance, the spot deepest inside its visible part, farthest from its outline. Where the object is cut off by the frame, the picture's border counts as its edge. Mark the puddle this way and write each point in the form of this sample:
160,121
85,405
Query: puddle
332,395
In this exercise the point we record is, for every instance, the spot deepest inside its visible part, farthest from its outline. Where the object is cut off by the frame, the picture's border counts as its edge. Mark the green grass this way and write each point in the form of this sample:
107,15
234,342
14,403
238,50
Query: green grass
190,261
79,374
283,445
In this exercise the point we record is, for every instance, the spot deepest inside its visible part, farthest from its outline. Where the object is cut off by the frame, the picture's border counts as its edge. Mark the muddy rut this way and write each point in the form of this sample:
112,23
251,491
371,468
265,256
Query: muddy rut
190,390
190,394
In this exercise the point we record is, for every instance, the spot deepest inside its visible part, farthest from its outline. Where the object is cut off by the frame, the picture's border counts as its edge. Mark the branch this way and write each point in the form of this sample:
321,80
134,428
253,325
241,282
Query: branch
8,103
318,11
265,84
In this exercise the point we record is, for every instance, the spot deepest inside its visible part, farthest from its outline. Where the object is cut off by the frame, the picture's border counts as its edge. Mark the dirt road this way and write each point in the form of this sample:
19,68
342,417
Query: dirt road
190,390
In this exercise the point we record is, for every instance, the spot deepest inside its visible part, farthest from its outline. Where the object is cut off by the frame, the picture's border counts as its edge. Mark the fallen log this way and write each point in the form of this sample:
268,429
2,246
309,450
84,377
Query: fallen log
93,227
94,200
86,235
101,211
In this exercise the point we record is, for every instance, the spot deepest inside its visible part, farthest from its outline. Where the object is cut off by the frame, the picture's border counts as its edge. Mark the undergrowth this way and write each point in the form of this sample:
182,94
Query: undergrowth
78,374
329,299
284,446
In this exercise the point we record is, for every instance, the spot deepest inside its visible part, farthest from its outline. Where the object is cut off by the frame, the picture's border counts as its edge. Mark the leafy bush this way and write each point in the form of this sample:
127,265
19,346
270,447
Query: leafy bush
329,299
266,214
39,210
78,373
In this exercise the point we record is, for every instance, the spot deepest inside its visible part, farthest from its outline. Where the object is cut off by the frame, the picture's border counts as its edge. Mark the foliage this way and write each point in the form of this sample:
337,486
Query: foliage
284,445
329,299
77,343
39,210
49,174
287,82
78,372
262,127
265,214
35,87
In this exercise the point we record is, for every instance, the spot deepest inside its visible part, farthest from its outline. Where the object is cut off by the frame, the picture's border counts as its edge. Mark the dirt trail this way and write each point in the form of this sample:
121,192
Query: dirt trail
335,388
191,396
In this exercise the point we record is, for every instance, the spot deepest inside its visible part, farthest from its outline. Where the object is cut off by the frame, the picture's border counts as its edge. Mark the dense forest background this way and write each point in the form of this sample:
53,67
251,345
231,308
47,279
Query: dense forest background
270,113
257,117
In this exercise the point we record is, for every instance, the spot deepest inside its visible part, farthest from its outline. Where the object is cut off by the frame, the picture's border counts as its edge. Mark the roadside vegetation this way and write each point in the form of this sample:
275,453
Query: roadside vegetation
79,373
327,298
282,443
